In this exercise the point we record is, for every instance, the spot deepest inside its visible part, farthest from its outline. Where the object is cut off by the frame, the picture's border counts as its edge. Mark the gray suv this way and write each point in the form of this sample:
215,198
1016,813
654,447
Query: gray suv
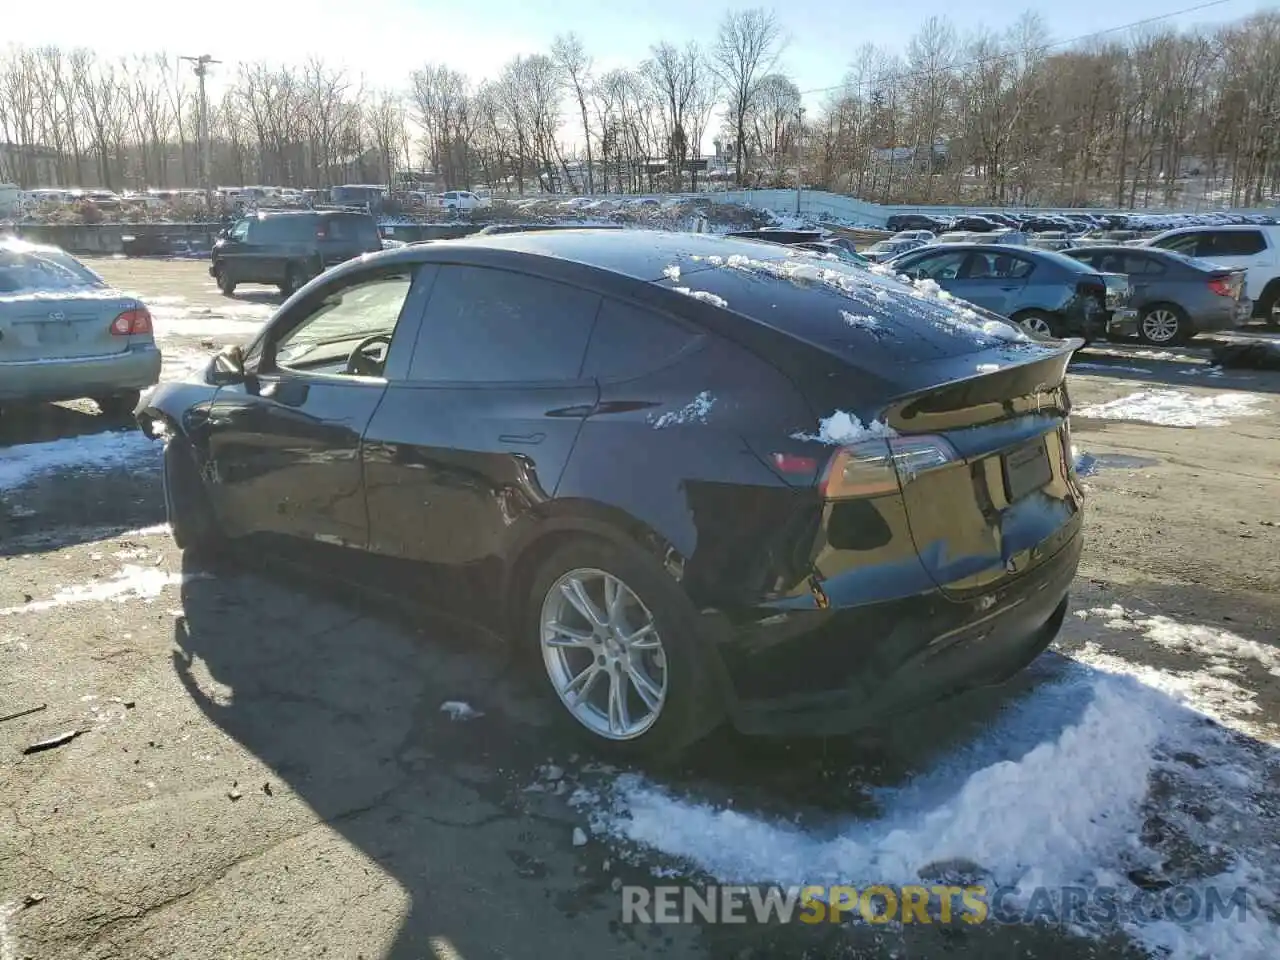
287,248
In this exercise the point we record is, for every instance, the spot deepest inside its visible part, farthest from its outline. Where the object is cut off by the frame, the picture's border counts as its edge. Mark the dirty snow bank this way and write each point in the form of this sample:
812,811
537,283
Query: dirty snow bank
128,583
1175,408
96,452
1057,793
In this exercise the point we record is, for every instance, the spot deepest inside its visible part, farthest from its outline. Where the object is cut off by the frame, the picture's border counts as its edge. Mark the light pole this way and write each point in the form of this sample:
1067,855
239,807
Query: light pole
201,65
799,155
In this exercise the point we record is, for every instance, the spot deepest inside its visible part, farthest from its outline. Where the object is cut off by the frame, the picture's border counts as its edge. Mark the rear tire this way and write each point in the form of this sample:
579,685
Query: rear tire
190,514
646,656
1038,323
118,405
1268,303
1164,325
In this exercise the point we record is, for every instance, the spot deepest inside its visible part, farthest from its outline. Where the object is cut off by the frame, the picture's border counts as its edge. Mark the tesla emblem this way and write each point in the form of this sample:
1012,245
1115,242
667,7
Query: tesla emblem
57,315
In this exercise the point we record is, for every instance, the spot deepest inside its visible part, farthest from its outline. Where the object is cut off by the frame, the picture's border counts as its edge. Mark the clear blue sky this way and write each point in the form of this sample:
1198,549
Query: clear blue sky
385,39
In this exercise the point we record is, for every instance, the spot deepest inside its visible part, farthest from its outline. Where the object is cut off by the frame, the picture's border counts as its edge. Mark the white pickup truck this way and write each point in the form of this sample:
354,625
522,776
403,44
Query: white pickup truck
1252,248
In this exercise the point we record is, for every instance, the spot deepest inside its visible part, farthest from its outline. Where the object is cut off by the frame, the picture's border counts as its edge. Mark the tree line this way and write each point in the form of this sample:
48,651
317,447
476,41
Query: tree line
993,117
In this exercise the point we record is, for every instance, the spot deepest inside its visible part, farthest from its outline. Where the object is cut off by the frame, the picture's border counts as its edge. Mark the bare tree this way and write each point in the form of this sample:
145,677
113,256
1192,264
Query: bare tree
571,57
747,48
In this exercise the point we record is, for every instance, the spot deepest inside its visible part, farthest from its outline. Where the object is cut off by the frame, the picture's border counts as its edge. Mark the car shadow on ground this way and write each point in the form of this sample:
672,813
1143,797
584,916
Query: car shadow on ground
341,698
41,422
102,488
267,295
1170,367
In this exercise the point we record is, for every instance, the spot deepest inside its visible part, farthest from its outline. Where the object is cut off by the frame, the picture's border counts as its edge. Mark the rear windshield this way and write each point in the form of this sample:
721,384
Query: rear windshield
862,312
43,270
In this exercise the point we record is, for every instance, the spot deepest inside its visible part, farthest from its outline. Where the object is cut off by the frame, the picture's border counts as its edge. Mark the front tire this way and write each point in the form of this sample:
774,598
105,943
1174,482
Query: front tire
225,283
190,514
619,653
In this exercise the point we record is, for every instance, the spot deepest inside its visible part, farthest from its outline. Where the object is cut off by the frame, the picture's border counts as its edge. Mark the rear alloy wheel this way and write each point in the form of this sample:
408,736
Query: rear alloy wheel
615,636
1038,323
118,405
1163,325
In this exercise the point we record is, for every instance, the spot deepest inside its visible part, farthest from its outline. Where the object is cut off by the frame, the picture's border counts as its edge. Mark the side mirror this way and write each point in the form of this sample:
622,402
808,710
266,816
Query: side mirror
228,366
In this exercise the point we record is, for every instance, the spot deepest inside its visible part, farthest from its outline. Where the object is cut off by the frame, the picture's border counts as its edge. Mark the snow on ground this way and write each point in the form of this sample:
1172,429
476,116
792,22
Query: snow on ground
233,320
121,449
1175,408
130,582
1059,791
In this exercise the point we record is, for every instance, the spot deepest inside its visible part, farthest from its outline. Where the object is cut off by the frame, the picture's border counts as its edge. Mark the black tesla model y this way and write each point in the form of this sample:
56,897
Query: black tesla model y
698,479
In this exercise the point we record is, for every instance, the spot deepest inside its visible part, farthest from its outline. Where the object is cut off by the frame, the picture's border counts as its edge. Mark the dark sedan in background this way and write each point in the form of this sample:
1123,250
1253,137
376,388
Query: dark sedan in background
694,478
1042,291
1175,296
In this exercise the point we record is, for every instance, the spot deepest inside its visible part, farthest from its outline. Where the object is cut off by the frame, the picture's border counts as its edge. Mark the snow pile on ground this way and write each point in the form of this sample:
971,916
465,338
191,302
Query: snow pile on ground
1059,792
128,583
695,411
96,452
1217,689
460,710
1175,408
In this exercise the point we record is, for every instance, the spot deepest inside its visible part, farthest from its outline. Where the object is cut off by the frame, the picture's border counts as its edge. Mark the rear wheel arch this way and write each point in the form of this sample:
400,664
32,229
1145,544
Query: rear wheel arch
1270,298
601,523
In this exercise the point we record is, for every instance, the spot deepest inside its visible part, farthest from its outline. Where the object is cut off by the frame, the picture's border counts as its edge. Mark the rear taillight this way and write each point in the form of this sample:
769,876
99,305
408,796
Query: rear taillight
875,467
131,322
1222,286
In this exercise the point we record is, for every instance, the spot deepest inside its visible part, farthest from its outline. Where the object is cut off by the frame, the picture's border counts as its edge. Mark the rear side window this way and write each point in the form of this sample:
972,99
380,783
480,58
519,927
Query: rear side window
1233,243
998,266
630,341
1137,265
277,229
493,326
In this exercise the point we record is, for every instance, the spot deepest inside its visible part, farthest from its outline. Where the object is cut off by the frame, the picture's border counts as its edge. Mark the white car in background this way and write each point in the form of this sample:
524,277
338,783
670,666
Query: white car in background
462,200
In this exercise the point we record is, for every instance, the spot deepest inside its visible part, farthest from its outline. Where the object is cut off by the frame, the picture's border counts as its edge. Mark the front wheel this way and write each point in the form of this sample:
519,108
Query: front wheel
225,283
186,501
618,644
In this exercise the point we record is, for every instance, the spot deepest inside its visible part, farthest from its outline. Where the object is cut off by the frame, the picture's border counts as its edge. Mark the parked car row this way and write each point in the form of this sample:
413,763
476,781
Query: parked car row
1070,223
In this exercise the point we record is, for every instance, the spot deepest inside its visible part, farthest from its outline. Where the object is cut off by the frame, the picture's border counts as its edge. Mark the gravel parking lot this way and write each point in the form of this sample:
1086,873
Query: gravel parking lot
262,766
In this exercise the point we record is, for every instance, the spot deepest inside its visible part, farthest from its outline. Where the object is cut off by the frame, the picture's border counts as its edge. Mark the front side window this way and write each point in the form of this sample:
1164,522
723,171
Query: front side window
240,230
1184,243
483,325
943,266
335,321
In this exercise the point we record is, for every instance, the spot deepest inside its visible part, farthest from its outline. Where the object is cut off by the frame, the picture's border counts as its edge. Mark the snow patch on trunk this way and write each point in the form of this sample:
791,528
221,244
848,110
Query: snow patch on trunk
841,428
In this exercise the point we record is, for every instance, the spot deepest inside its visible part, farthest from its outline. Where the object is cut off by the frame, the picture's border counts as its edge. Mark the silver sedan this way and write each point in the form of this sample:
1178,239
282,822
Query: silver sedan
66,334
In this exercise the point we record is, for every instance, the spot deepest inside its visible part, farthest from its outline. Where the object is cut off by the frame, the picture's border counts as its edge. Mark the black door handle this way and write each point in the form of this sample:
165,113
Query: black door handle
521,437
